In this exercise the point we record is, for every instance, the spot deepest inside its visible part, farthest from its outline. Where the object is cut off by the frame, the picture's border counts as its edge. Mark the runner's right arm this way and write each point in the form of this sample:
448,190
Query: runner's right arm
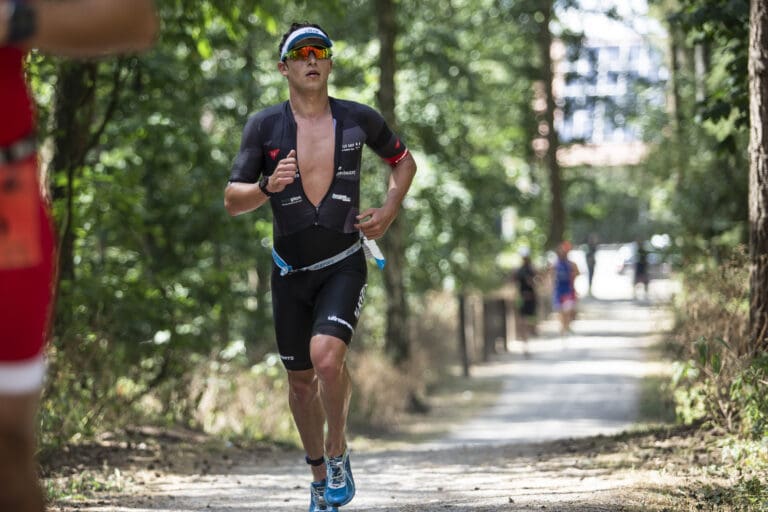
243,193
245,197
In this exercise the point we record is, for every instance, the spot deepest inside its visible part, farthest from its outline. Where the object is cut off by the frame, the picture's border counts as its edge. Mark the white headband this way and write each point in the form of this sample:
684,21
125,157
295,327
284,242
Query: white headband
304,33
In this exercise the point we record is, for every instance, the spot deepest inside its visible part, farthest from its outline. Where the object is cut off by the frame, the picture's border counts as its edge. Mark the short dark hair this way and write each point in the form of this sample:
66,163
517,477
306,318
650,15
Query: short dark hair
294,27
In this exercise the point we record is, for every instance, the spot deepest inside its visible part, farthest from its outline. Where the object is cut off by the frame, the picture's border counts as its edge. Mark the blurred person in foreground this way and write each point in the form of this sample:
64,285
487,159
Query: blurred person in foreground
564,273
303,157
526,278
75,28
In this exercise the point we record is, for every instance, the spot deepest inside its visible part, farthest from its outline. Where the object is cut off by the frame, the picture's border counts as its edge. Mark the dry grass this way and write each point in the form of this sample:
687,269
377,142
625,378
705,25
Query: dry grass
715,304
712,338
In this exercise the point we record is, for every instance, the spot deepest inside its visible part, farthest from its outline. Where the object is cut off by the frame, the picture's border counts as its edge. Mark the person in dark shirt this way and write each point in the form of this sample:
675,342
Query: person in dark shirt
526,277
303,157
641,269
591,259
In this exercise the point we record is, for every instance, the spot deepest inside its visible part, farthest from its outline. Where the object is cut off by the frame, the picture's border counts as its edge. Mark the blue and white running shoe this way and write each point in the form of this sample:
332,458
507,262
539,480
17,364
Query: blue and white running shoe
341,486
316,499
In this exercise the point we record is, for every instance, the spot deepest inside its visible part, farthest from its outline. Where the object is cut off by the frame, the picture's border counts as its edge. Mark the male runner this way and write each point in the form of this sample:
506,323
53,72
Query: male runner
73,28
303,156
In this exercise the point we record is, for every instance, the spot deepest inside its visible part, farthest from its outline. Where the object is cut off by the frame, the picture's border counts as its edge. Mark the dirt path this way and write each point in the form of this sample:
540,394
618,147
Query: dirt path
544,445
584,384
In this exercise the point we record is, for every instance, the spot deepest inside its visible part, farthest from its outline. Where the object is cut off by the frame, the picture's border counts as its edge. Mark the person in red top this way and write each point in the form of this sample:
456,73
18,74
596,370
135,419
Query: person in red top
73,28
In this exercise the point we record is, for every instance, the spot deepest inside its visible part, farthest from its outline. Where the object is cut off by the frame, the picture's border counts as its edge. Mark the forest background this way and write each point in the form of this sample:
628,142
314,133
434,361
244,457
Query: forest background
163,313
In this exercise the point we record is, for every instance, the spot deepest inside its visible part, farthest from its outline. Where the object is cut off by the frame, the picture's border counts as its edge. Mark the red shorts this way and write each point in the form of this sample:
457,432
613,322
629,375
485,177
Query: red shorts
26,276
565,301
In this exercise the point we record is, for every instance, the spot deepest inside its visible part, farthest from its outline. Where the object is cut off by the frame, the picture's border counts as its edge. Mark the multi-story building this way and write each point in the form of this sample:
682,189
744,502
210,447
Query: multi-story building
601,85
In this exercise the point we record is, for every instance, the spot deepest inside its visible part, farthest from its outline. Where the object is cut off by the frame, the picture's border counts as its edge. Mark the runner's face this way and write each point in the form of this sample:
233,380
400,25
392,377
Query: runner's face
310,74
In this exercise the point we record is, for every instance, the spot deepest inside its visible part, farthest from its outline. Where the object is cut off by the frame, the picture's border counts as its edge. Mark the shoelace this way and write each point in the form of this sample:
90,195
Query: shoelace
317,497
337,478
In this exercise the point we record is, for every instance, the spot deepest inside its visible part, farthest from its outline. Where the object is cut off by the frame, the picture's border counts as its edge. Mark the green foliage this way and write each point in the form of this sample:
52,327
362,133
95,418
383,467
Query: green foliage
465,106
724,25
701,192
237,401
163,277
613,203
747,495
164,283
748,390
702,153
690,395
721,378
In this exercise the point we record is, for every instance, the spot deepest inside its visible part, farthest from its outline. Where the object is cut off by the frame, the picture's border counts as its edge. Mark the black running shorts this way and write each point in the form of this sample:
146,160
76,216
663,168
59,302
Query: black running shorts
326,301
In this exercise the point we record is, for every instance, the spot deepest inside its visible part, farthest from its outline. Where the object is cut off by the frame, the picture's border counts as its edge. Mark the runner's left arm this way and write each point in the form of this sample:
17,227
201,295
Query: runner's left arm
374,222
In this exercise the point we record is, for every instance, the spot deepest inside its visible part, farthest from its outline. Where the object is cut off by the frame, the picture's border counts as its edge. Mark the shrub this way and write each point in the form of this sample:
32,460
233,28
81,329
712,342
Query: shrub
722,378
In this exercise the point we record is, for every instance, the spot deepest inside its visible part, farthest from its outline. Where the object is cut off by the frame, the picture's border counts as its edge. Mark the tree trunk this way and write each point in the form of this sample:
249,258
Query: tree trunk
701,67
758,174
556,207
263,262
397,339
224,319
72,117
676,102
463,345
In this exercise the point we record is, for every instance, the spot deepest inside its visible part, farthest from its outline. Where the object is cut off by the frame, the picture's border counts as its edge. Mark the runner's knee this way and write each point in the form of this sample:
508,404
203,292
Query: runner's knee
302,386
329,364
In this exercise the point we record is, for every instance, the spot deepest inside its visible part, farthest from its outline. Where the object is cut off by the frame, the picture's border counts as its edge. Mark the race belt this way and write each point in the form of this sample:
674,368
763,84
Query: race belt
370,247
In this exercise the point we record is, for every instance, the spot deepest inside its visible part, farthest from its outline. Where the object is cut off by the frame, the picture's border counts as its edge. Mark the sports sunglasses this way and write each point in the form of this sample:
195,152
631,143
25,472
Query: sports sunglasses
304,52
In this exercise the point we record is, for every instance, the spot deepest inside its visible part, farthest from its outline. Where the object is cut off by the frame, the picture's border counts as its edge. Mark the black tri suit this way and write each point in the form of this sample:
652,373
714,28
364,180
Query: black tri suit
326,301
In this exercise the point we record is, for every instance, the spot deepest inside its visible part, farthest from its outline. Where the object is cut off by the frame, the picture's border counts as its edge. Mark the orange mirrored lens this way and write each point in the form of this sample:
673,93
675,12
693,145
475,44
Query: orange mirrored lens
304,52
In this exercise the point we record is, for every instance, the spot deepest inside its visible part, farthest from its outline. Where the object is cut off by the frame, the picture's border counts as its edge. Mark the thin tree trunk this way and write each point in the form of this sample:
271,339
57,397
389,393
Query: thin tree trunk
758,173
557,208
676,105
74,102
676,101
263,263
463,345
224,319
701,69
397,339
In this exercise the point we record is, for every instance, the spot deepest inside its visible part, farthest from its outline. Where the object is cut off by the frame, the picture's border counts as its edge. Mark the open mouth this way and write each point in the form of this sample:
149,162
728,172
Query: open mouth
313,73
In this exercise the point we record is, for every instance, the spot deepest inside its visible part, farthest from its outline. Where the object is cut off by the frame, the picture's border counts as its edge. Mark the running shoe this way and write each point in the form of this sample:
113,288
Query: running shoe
341,486
316,499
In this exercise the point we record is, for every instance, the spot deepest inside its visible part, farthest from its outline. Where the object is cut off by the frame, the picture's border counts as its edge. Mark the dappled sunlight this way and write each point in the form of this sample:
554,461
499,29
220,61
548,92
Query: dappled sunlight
585,383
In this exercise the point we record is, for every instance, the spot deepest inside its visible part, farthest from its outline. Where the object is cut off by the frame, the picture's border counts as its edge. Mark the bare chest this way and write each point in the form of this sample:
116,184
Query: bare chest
315,155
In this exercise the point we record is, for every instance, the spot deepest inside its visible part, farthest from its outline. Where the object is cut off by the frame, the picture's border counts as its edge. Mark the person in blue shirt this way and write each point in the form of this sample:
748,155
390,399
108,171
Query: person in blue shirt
564,273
